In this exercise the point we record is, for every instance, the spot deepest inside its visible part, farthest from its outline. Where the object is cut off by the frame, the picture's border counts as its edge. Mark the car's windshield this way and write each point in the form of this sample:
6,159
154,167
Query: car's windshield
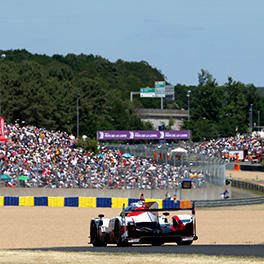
186,220
129,208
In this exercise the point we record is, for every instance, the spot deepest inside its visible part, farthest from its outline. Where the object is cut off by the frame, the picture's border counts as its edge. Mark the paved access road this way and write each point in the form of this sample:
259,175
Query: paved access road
212,250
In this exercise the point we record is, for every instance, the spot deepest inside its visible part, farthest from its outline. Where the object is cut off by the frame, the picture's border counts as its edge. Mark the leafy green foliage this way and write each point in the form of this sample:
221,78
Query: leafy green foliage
42,91
88,145
220,111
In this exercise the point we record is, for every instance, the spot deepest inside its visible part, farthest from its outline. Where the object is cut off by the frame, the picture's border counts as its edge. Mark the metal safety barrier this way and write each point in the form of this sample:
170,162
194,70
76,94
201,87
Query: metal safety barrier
247,185
238,201
230,202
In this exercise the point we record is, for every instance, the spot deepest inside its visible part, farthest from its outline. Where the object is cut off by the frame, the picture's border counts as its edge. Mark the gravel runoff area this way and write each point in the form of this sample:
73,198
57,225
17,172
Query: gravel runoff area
256,175
34,227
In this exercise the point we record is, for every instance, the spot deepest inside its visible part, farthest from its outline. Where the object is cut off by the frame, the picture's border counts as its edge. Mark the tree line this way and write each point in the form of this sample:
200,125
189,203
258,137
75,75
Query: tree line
221,110
43,91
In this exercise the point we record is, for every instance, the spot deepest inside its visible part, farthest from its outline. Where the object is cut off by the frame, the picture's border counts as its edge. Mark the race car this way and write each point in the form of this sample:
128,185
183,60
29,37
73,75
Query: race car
140,223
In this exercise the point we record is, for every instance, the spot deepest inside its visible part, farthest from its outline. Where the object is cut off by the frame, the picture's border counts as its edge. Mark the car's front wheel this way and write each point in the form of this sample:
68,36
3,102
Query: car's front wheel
96,239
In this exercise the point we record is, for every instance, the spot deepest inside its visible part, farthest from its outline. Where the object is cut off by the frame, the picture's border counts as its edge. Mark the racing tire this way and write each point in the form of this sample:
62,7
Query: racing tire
94,236
118,239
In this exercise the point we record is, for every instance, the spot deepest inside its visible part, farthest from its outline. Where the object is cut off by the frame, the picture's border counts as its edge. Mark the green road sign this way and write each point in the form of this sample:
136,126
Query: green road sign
147,90
160,84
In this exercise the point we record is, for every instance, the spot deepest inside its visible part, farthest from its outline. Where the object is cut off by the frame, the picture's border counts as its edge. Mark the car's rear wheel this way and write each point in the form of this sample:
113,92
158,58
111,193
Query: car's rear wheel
96,239
117,232
118,239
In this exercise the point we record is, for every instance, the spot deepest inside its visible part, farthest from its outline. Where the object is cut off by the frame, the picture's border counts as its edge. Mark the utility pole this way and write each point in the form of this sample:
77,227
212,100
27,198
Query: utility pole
250,118
132,94
258,120
77,109
188,97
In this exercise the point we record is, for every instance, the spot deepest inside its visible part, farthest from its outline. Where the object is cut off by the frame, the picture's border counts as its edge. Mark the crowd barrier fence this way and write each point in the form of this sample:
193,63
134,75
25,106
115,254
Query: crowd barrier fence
213,167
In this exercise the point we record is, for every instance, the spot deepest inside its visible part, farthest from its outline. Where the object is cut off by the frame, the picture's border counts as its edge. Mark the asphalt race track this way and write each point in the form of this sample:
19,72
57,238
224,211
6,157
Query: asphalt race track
215,250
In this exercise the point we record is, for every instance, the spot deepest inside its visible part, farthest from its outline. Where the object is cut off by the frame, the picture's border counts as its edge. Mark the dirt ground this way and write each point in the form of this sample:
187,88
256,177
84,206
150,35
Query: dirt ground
32,227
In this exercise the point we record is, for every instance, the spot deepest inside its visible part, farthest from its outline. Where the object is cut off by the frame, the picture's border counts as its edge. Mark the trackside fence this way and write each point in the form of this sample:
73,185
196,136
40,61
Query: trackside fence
236,202
172,168
213,168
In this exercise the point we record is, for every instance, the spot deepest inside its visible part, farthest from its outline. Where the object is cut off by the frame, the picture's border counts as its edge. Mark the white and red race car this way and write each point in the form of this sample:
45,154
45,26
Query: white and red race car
140,223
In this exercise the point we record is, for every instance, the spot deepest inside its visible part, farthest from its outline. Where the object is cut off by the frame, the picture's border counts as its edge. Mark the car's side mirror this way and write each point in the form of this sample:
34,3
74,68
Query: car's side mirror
100,215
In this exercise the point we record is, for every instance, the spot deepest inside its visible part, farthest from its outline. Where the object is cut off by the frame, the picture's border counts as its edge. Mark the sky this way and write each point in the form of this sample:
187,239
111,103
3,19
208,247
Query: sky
179,38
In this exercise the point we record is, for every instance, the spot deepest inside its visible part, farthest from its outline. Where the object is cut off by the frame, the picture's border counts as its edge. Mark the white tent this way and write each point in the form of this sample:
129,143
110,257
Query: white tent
178,150
260,134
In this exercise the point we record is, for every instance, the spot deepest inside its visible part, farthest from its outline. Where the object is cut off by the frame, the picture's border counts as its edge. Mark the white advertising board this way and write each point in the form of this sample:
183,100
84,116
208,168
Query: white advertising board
239,152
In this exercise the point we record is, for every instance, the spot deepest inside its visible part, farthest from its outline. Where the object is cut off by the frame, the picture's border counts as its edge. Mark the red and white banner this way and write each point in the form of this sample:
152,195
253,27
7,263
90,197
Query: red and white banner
2,129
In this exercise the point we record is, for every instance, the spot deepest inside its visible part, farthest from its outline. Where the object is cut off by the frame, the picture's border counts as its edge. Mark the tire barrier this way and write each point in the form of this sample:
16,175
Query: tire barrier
252,168
88,202
247,185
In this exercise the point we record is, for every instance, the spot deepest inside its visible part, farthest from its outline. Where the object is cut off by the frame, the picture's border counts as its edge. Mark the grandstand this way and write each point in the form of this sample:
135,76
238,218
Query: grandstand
37,158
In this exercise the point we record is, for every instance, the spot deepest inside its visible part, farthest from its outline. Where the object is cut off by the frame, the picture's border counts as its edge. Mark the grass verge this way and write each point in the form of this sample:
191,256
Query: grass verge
51,257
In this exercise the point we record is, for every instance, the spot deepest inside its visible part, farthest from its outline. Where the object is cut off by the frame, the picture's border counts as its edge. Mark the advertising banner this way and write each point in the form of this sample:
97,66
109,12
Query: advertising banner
142,134
233,153
2,130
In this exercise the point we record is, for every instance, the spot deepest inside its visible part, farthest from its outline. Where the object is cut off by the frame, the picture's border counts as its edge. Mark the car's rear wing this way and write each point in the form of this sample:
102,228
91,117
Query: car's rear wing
185,205
192,207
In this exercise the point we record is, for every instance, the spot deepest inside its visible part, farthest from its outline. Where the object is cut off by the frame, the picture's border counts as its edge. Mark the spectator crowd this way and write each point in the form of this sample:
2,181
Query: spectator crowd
223,147
36,157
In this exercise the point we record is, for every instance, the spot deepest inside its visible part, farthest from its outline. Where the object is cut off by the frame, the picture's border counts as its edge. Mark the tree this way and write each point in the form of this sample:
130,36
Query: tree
205,78
41,91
